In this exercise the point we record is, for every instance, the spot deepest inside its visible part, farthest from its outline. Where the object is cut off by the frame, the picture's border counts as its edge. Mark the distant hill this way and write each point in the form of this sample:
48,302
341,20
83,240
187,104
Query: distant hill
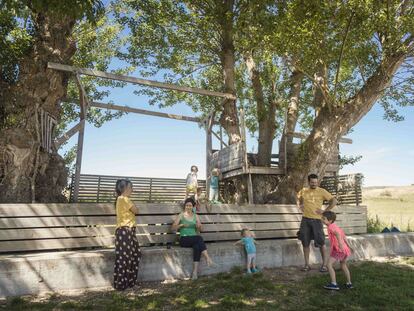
405,192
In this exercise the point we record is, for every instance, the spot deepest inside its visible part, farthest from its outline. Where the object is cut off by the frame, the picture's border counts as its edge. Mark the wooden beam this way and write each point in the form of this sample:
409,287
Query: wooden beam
62,139
246,163
142,111
220,139
162,85
209,151
343,140
83,111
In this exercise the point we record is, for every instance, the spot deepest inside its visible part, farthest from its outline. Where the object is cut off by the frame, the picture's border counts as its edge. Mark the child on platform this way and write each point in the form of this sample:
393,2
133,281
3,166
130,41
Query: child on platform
249,245
214,186
340,250
192,183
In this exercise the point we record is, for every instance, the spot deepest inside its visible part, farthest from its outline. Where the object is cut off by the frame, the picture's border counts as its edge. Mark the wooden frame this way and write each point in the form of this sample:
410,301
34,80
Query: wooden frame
84,104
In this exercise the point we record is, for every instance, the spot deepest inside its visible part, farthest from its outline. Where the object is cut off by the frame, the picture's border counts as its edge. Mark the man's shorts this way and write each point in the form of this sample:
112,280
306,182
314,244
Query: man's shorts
311,229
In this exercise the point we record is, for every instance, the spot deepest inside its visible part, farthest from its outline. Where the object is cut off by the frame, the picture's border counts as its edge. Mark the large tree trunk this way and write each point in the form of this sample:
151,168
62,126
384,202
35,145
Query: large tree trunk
330,124
291,116
29,173
229,119
266,114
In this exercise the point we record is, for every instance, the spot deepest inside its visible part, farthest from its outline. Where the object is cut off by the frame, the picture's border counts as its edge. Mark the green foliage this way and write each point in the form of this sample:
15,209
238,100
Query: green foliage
348,160
375,225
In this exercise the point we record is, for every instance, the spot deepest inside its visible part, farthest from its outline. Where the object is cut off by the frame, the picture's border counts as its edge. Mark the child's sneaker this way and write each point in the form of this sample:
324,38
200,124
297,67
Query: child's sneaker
331,286
254,270
349,286
249,271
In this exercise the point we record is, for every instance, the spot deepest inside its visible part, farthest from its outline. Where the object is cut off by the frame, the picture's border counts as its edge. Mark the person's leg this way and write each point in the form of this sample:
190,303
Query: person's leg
248,263
324,255
344,267
203,249
331,262
319,238
304,236
254,262
194,273
216,196
211,195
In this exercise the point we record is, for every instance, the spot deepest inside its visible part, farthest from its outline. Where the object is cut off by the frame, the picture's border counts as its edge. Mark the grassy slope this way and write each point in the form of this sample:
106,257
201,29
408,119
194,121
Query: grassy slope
393,205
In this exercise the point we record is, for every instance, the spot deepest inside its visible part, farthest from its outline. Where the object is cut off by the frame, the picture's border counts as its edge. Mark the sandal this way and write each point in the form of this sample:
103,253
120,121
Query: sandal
323,269
306,268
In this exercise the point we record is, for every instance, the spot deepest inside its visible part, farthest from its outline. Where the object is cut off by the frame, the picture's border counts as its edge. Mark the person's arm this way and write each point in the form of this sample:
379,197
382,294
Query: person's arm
134,208
299,202
331,203
255,242
238,242
176,224
347,243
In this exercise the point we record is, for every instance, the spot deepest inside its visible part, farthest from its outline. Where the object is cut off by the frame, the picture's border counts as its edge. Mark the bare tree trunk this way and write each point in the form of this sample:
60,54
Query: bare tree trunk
22,160
332,123
266,114
291,115
229,119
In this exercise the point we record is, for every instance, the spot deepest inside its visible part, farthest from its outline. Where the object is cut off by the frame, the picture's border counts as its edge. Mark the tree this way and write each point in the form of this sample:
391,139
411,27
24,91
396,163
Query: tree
34,33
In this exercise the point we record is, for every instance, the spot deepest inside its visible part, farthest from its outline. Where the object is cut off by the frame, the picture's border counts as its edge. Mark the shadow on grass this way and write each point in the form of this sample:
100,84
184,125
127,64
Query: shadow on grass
378,286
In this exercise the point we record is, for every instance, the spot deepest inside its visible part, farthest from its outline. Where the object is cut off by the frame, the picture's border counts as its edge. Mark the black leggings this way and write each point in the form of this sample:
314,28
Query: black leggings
196,242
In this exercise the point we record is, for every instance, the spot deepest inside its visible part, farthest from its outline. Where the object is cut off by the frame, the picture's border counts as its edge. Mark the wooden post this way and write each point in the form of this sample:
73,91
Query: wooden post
83,108
246,163
209,151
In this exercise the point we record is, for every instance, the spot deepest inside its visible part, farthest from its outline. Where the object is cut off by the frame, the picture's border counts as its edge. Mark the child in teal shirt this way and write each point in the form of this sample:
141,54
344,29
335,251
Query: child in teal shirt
250,246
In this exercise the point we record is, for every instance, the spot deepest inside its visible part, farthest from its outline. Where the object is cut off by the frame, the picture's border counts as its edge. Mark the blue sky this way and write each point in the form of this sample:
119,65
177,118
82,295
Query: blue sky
146,146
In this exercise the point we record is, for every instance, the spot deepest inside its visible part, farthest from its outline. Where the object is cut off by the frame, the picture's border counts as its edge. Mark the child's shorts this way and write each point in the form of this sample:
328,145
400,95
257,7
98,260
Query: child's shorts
191,188
251,258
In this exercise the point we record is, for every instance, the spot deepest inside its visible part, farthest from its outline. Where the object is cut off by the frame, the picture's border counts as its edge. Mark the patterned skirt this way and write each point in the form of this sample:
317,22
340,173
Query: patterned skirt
127,258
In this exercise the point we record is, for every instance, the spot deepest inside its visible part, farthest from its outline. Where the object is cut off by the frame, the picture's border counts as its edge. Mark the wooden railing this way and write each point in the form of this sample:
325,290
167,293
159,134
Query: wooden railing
100,188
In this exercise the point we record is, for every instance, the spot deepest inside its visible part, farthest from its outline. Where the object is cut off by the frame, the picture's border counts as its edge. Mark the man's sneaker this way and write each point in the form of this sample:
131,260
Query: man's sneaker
349,286
331,286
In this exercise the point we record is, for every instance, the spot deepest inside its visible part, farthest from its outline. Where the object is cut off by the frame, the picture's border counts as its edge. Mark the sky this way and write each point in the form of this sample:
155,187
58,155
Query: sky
147,146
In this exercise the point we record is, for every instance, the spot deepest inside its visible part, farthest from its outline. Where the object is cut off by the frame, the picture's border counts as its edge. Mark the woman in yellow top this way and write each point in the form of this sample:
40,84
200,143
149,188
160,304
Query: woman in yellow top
127,251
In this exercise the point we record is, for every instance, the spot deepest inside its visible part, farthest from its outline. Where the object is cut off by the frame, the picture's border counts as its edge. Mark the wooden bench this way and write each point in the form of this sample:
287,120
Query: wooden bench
47,227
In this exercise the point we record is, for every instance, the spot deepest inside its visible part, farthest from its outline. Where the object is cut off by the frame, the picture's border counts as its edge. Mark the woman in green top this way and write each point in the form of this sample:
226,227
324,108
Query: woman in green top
189,225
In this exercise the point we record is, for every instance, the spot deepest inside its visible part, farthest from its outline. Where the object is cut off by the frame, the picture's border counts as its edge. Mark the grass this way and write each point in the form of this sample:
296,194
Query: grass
393,206
378,286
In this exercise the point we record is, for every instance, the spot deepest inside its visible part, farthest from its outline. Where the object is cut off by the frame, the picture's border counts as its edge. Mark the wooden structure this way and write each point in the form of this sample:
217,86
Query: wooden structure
346,188
47,227
85,104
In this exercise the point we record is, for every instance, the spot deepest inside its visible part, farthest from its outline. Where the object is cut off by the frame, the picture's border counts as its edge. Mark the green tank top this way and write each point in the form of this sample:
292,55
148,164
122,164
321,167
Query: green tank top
191,229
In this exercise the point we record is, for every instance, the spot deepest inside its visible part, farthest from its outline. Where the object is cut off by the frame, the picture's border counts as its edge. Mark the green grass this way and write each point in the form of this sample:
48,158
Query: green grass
394,206
378,286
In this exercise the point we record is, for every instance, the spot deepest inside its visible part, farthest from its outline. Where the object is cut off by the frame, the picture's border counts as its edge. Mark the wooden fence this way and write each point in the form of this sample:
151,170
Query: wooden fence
100,188
47,227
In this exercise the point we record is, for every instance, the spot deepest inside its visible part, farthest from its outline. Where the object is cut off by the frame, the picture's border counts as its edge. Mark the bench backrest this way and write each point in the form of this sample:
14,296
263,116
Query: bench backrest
40,227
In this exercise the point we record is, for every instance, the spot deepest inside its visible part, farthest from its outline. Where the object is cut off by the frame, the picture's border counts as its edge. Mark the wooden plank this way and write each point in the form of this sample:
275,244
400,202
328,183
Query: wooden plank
117,77
265,170
72,232
35,222
62,139
145,112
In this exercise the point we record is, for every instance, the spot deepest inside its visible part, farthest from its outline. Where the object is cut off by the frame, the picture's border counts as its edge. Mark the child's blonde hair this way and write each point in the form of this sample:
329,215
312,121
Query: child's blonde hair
215,171
243,231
